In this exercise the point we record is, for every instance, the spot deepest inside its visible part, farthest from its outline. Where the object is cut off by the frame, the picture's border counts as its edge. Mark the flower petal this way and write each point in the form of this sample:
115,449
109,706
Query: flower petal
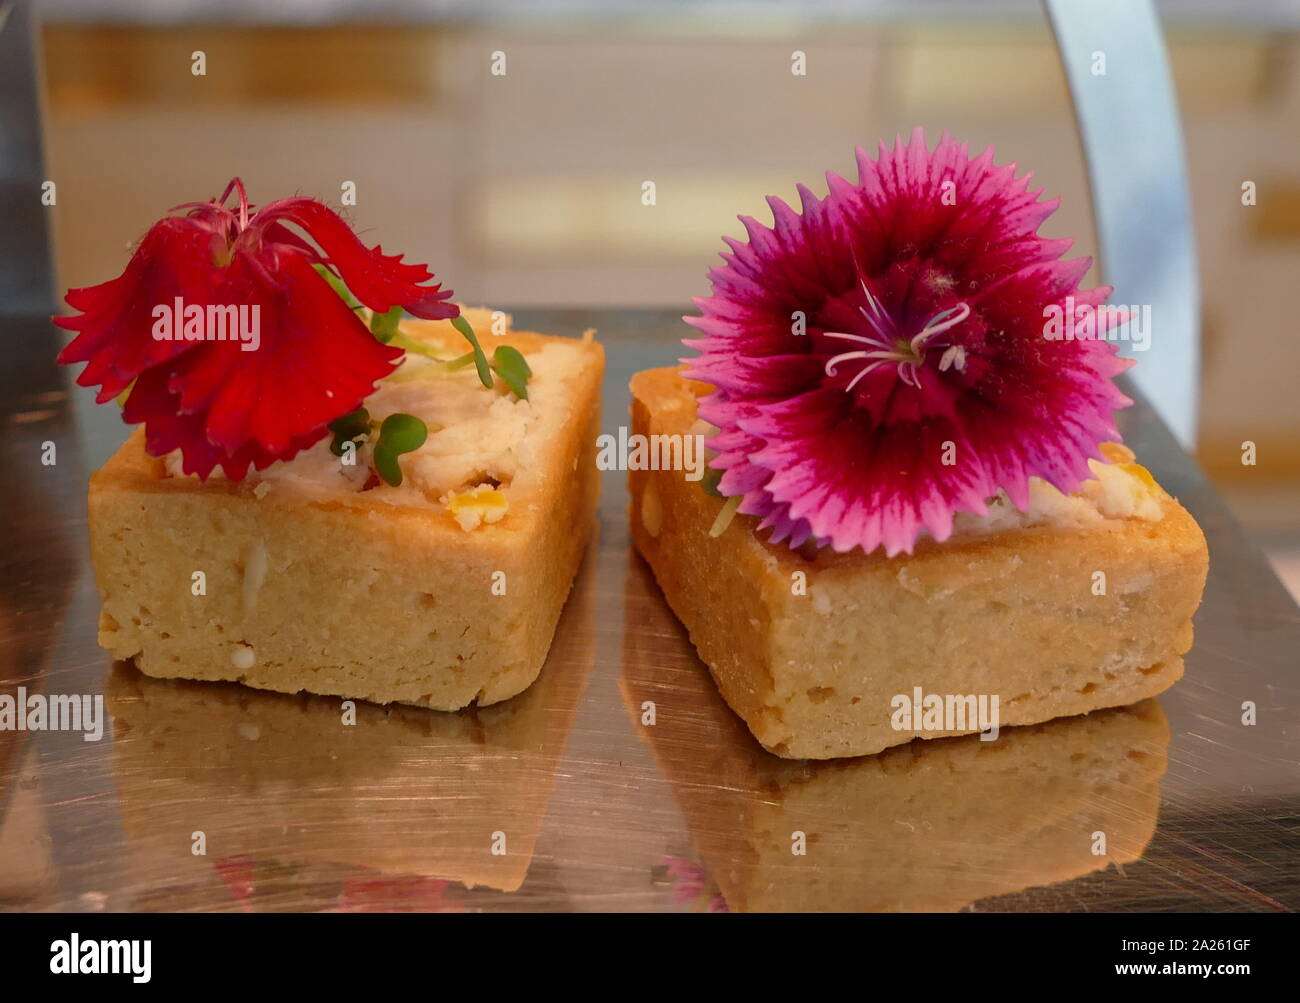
321,361
114,328
378,280
847,429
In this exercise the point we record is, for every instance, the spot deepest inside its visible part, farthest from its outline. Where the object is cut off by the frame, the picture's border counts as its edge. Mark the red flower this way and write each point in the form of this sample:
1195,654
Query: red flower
232,402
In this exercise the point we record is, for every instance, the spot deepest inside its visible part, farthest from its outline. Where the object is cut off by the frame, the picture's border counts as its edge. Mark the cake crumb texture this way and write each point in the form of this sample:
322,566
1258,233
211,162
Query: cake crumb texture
344,593
812,666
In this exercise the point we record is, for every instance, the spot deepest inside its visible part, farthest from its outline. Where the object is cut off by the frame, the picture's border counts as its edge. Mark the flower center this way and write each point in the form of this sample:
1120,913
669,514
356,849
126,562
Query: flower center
885,346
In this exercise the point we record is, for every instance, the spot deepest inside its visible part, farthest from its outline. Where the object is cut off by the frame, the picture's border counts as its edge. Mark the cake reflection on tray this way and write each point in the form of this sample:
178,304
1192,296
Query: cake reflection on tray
933,825
405,808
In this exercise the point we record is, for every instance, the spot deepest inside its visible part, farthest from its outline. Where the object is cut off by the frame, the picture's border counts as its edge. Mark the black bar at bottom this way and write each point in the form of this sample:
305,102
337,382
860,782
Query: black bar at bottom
924,951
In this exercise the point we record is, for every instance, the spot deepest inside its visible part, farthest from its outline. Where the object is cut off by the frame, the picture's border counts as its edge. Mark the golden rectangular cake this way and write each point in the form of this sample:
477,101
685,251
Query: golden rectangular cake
813,649
440,593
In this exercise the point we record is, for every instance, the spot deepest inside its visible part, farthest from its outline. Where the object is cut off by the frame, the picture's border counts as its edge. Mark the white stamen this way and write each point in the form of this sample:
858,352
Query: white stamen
861,373
961,310
837,359
847,356
886,344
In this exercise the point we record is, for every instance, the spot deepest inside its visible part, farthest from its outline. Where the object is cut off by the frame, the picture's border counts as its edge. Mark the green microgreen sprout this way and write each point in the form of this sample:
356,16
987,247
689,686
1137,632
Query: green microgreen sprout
409,344
509,363
348,428
480,360
710,481
384,325
338,286
399,433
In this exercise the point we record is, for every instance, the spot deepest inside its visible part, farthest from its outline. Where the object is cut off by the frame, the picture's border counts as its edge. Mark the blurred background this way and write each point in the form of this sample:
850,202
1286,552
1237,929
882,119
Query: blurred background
525,188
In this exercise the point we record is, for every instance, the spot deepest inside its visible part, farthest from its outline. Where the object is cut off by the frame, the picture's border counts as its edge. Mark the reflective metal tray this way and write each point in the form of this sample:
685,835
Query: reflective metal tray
593,809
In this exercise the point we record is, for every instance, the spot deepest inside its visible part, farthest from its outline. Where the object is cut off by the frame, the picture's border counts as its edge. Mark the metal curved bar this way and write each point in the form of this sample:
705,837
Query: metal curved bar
1128,121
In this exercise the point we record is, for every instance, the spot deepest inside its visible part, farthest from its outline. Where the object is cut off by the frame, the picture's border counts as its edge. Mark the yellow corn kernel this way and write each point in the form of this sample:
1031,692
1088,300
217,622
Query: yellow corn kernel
476,506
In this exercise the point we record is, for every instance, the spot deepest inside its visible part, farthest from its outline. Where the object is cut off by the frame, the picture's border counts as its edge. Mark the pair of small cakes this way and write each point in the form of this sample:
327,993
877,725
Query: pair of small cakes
914,492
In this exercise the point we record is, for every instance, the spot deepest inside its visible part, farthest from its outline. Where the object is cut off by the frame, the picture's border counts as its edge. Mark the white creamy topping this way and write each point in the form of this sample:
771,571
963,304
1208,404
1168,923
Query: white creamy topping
1115,492
478,438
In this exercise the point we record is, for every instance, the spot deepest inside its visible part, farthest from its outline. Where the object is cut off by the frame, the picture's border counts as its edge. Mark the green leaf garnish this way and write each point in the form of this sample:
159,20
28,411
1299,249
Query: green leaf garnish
349,428
710,481
480,360
399,433
403,432
384,325
510,364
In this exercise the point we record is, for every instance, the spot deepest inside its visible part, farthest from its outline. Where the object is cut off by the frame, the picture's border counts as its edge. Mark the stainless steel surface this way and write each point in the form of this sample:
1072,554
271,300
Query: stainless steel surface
1133,143
25,264
597,810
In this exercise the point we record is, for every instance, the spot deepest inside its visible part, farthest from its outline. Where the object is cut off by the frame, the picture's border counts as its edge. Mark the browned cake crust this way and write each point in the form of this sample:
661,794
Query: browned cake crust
1012,613
347,595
